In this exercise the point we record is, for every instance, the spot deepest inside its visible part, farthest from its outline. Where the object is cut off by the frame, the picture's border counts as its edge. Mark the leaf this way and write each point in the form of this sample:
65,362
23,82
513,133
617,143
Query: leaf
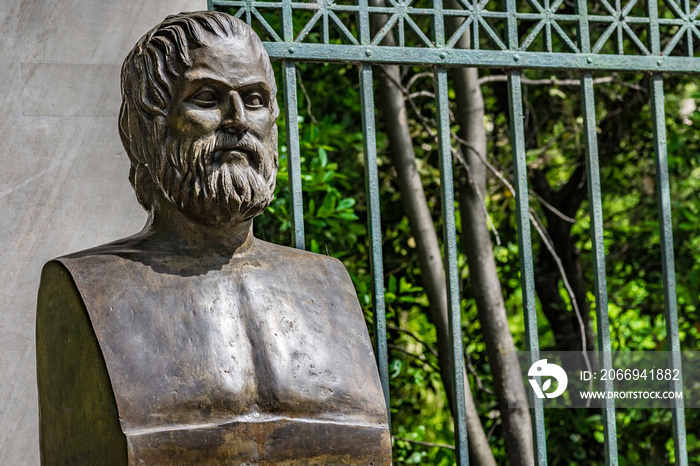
556,92
346,216
395,368
314,246
547,383
392,285
346,203
323,156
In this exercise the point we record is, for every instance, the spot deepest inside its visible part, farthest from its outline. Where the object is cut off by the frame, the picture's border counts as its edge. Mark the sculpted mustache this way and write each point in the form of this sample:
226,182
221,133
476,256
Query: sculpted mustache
194,158
228,141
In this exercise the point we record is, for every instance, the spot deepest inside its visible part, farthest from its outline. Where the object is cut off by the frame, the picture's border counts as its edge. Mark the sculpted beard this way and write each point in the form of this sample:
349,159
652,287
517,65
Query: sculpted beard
212,192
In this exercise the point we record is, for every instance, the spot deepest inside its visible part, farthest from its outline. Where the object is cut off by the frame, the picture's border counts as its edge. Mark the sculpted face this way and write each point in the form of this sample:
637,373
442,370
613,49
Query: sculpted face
220,152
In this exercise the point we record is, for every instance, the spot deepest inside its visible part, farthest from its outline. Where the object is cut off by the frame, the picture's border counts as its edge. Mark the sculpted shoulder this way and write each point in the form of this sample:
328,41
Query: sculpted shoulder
130,245
261,254
297,258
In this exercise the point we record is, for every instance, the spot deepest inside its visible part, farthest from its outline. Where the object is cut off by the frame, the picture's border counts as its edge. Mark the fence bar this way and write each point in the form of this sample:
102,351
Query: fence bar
596,213
293,156
527,278
451,269
454,313
374,216
375,227
668,267
600,282
341,53
292,123
666,228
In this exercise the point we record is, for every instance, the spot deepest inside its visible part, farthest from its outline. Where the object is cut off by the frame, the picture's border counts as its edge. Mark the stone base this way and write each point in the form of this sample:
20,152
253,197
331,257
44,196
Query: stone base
269,442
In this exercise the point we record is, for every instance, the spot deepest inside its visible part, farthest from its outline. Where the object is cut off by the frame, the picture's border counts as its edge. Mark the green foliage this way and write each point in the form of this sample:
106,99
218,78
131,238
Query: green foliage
632,239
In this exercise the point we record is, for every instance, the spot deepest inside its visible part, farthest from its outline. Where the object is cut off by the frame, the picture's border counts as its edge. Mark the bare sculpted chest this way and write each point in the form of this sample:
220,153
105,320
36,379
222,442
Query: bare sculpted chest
241,343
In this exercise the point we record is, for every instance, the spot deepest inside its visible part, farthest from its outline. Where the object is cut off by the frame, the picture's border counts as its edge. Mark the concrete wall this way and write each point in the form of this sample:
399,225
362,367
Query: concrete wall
63,175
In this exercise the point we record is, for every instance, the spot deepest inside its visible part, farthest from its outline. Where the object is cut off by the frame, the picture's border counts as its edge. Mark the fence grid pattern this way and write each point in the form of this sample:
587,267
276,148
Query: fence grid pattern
596,35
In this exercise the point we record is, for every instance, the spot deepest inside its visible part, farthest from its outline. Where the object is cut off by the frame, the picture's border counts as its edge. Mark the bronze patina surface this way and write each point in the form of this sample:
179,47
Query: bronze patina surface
192,342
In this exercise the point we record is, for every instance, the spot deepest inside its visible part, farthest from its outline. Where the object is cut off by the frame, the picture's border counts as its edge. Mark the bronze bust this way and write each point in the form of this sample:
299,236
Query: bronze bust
192,342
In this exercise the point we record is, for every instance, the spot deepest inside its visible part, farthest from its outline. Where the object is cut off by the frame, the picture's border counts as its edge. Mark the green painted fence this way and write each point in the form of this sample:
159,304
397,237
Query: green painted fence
628,37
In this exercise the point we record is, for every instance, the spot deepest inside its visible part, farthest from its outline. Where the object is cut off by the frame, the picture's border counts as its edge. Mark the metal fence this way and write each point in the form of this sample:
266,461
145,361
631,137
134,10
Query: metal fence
625,38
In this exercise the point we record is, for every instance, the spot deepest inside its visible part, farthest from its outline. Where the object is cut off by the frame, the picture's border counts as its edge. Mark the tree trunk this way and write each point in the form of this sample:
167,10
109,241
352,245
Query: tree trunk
485,284
567,200
565,325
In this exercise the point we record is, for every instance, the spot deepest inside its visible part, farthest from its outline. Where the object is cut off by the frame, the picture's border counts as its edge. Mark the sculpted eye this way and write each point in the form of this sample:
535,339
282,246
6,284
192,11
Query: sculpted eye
205,98
254,100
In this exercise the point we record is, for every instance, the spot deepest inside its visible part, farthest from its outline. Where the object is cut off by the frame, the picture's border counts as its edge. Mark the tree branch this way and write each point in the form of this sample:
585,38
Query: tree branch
559,82
306,96
425,444
430,349
536,222
421,358
477,379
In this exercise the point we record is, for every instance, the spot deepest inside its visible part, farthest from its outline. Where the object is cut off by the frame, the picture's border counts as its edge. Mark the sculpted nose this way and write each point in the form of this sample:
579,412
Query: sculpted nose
235,120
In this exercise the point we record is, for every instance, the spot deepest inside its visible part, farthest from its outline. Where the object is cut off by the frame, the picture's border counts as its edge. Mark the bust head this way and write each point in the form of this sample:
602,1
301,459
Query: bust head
198,118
